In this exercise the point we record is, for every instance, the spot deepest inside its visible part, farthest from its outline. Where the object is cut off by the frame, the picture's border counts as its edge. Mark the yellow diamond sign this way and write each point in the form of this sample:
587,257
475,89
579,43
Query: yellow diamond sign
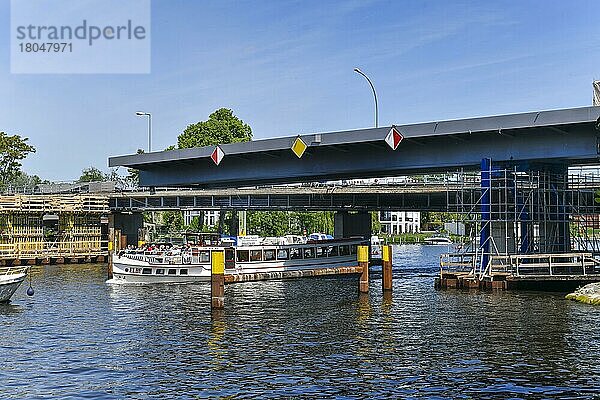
299,147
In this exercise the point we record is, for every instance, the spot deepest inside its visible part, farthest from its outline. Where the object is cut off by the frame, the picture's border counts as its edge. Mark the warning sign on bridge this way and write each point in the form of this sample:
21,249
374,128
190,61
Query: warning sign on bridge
217,155
393,138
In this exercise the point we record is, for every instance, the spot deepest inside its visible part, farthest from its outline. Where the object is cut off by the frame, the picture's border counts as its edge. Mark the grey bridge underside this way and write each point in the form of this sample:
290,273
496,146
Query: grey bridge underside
567,137
368,198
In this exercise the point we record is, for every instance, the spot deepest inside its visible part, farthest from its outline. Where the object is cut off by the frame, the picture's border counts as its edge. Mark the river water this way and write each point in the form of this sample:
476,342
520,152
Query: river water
81,338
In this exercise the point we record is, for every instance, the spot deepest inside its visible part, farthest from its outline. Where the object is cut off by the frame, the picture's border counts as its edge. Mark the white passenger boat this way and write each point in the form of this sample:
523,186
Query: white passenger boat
10,280
193,263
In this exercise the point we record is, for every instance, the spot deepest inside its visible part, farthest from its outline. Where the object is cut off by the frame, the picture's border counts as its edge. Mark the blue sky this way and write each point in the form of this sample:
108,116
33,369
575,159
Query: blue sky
286,67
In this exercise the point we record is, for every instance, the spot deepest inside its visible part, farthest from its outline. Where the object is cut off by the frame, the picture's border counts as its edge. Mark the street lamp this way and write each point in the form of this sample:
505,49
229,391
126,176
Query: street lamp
141,114
358,71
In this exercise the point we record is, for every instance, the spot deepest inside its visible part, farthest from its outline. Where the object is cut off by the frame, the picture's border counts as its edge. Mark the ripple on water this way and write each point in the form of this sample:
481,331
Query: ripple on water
81,338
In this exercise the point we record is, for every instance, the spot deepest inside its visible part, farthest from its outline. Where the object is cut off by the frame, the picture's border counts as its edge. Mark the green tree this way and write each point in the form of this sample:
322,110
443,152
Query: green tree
320,221
13,149
221,127
173,220
92,174
268,223
132,179
22,179
375,224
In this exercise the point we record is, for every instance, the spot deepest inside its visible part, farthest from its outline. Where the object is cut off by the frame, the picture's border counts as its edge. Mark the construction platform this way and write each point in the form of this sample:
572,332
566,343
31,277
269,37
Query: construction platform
556,271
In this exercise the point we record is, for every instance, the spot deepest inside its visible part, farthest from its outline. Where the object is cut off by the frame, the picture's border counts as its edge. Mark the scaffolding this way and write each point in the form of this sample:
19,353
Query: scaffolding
42,227
535,221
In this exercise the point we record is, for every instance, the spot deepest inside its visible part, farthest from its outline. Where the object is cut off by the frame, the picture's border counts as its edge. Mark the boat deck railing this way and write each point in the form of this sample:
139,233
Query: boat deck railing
164,258
9,271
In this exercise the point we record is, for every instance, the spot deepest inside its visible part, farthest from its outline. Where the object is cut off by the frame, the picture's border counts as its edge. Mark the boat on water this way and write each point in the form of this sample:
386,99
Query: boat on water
192,263
438,239
10,280
376,249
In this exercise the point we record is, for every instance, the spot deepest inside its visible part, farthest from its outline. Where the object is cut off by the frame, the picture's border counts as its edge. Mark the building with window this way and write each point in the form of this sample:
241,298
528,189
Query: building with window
397,222
211,218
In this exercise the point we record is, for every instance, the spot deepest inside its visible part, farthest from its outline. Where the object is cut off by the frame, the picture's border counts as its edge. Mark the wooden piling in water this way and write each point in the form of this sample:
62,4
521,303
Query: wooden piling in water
386,268
363,261
217,285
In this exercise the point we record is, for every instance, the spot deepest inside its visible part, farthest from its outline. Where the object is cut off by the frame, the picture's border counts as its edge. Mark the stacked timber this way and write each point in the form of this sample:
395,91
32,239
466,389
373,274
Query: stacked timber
51,228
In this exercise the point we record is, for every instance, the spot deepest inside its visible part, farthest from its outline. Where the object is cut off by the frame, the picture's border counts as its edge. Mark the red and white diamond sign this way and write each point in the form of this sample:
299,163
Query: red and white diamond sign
393,138
217,155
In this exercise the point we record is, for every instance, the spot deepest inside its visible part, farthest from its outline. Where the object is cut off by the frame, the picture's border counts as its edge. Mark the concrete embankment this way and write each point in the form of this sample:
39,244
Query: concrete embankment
589,294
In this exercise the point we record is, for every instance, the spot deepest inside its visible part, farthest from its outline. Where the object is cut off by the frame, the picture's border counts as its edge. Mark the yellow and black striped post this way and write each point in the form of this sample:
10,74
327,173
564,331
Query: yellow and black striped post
363,261
386,267
217,288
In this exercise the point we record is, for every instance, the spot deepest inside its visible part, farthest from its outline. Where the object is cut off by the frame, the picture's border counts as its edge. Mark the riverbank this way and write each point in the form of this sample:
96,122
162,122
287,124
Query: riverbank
416,238
588,294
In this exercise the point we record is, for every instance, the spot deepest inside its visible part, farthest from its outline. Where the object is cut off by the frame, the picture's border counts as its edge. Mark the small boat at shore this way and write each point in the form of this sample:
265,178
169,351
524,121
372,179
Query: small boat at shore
192,263
10,280
376,249
438,240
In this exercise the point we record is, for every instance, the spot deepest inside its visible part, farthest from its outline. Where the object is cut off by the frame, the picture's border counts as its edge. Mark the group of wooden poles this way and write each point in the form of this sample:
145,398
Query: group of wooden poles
218,273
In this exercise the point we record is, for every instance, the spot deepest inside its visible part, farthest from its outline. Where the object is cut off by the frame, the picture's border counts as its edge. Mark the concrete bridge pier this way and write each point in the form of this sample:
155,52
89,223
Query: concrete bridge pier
348,224
129,225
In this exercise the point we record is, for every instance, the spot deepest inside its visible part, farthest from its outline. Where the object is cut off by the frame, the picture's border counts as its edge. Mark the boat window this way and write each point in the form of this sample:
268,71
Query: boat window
160,271
204,256
295,253
269,254
147,271
243,255
183,271
172,271
255,255
332,251
353,249
321,252
344,250
282,254
309,252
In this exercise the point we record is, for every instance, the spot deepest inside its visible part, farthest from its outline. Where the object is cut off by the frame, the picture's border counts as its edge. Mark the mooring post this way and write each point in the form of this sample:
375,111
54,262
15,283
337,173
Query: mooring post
386,267
217,288
363,261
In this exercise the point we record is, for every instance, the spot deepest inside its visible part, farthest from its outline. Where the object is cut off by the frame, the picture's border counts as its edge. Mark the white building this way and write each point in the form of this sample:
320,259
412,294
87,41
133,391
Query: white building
396,222
211,218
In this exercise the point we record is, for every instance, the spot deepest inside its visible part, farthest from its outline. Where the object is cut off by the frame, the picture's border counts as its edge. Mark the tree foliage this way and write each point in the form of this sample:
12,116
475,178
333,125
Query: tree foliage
173,220
92,174
132,179
279,223
221,127
375,223
267,223
13,149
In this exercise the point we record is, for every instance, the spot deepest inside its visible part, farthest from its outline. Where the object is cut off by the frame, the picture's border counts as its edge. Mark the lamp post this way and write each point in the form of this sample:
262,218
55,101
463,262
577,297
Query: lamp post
358,71
141,114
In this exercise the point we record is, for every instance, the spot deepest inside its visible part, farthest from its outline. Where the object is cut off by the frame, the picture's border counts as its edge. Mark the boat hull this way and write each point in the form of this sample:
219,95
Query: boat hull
9,285
126,270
